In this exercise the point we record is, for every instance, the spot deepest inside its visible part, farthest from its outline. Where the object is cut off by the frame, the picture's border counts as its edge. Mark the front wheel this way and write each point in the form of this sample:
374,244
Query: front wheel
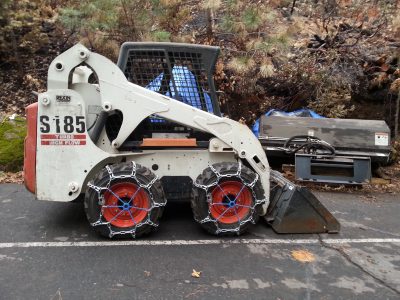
124,199
227,198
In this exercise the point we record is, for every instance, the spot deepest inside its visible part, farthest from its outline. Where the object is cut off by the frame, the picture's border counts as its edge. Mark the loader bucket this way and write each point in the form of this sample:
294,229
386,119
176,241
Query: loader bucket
295,209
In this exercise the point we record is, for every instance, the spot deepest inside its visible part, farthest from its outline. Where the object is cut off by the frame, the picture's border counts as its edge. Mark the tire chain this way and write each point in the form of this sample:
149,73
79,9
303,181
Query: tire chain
146,187
209,199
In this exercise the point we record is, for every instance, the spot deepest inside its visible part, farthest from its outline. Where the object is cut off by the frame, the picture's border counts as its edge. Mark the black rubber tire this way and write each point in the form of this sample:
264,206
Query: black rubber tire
144,176
200,205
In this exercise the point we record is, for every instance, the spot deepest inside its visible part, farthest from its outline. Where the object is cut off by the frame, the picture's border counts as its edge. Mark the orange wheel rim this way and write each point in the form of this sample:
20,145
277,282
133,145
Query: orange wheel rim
231,202
125,205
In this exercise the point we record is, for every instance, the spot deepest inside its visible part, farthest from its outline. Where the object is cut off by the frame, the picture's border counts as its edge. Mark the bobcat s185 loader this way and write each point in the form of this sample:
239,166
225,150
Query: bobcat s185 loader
88,136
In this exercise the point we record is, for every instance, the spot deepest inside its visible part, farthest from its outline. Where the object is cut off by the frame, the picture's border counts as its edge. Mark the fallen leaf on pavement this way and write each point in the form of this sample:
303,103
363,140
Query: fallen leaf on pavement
147,273
303,255
196,274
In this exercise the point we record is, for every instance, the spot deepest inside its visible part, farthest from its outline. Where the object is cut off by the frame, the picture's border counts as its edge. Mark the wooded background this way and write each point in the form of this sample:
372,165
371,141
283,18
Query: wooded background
338,57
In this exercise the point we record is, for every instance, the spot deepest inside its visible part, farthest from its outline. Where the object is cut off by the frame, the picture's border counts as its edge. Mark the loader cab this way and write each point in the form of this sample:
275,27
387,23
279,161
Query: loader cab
180,71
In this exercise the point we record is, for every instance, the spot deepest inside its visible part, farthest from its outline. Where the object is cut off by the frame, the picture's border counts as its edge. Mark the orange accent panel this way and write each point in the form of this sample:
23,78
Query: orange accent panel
169,143
30,148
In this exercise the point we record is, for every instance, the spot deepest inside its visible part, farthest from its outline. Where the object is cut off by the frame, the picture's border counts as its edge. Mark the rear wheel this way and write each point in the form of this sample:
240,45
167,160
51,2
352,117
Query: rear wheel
227,198
124,199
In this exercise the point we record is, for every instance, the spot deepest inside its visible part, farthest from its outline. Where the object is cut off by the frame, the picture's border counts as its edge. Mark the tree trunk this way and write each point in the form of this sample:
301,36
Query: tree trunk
16,54
210,23
396,117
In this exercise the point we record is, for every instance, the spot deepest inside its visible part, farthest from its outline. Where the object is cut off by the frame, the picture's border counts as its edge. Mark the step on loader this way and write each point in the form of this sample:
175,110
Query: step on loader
95,134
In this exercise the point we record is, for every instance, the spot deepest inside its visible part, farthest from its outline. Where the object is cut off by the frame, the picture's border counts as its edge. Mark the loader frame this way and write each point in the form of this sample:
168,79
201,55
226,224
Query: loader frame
62,125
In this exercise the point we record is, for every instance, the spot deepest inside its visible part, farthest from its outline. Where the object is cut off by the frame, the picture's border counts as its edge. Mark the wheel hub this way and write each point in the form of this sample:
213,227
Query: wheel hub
229,200
126,206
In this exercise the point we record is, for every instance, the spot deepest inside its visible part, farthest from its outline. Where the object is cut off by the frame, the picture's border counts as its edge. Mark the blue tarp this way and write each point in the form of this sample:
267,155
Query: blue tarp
186,88
304,112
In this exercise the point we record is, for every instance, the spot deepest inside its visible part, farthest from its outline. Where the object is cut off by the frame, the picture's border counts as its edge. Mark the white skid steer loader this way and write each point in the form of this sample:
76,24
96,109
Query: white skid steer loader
70,152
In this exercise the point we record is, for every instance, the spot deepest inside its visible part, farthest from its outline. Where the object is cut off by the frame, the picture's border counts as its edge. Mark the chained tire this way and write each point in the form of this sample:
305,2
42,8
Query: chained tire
227,198
124,200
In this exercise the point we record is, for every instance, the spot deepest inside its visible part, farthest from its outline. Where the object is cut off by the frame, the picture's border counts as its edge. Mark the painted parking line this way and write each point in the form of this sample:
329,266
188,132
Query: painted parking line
197,242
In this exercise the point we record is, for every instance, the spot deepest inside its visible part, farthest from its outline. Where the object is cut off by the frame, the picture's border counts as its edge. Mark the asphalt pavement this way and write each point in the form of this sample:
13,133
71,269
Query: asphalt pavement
49,251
